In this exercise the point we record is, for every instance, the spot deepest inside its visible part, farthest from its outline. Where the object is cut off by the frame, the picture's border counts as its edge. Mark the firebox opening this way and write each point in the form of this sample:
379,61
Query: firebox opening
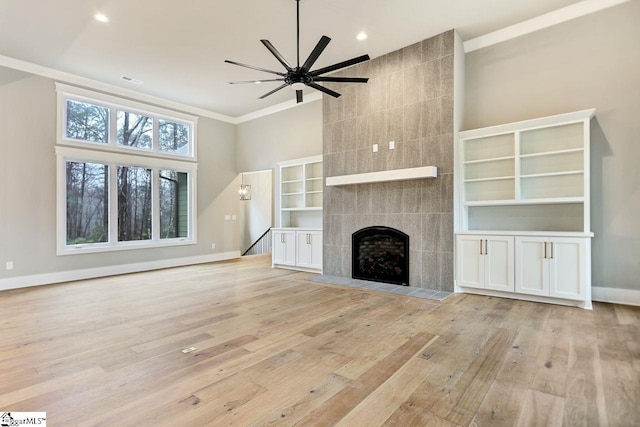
381,254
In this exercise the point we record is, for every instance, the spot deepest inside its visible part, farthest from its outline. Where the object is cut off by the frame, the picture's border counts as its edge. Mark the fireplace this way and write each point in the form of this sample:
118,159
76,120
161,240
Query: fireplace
381,254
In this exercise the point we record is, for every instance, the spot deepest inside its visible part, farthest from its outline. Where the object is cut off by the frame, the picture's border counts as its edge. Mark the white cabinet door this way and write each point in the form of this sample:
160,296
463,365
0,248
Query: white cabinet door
316,249
303,250
567,268
498,263
555,267
470,261
532,266
284,247
309,249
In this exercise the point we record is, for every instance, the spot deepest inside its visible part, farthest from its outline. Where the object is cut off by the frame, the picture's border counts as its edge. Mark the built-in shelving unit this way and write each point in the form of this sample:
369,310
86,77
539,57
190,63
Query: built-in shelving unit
525,181
297,237
536,162
299,193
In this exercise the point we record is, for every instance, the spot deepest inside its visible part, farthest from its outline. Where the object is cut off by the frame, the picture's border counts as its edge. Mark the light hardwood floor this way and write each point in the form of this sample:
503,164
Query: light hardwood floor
275,349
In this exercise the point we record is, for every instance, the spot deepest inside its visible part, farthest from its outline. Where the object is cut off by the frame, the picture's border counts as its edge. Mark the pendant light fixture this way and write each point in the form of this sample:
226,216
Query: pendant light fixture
245,190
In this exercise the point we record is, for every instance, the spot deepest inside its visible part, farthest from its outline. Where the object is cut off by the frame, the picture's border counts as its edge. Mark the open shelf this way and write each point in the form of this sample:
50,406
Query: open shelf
549,201
489,179
552,139
489,148
493,159
552,153
537,175
502,189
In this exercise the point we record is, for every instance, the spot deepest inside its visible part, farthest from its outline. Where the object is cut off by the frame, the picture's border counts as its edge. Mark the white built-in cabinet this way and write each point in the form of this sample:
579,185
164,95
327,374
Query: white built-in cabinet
486,262
523,207
297,237
553,267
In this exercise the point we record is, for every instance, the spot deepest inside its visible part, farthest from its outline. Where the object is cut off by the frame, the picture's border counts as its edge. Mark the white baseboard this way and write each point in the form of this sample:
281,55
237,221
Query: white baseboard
616,295
90,273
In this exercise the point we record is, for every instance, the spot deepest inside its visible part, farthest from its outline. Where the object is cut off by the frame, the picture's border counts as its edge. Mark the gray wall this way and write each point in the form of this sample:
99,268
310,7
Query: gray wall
290,134
409,100
590,62
28,186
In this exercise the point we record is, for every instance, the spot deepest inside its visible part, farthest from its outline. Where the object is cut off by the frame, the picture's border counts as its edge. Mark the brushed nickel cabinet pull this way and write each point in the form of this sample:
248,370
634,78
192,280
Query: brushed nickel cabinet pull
486,247
480,246
545,250
551,250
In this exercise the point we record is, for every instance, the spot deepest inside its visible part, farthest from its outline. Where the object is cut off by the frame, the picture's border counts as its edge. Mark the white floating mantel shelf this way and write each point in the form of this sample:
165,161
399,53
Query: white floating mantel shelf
383,176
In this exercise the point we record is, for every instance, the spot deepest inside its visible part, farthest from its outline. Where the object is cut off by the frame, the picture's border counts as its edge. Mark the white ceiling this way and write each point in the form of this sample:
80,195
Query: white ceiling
178,48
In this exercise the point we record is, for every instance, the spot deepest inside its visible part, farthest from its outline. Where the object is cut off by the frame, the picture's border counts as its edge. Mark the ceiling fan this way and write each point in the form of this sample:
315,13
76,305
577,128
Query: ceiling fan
300,76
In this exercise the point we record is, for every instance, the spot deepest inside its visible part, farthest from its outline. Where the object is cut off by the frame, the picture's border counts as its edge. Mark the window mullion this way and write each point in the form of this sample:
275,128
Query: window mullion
155,143
113,127
155,205
113,203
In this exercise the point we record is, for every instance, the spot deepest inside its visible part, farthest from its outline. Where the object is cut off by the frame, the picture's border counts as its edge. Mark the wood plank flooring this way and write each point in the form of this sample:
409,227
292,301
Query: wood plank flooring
275,349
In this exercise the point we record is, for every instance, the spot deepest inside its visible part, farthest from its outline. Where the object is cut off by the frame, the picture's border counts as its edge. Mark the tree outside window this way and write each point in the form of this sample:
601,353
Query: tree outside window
87,203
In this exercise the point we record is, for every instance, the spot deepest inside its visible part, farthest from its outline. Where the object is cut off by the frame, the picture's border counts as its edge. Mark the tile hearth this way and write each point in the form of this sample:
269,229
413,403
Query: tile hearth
410,291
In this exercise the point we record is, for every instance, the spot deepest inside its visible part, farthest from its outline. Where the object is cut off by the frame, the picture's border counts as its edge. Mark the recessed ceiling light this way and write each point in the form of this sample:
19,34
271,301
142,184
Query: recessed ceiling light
101,17
362,36
258,82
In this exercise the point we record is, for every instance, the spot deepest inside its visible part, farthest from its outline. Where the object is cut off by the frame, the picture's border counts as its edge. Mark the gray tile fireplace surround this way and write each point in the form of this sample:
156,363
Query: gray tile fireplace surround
410,291
409,100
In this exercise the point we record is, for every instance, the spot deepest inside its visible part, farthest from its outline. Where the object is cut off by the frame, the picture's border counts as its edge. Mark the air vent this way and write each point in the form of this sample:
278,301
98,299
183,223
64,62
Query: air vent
131,80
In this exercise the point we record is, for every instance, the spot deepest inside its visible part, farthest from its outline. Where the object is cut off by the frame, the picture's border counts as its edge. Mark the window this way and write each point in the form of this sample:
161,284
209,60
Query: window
172,137
134,130
87,122
87,203
174,216
134,203
126,174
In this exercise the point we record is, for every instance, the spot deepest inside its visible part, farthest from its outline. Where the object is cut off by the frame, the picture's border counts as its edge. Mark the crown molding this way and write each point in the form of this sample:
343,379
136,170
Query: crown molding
547,20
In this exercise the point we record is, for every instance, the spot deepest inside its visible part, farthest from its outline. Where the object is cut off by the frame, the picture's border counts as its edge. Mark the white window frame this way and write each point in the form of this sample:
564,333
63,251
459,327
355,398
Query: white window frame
114,104
114,155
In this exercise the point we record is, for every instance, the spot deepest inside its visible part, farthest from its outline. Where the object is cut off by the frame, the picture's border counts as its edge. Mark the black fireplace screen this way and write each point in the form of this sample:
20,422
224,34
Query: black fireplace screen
381,254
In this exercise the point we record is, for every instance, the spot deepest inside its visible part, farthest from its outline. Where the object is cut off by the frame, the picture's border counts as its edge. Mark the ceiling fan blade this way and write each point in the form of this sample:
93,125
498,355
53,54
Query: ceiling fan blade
341,79
253,67
315,54
273,91
277,54
256,81
340,65
298,96
324,89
